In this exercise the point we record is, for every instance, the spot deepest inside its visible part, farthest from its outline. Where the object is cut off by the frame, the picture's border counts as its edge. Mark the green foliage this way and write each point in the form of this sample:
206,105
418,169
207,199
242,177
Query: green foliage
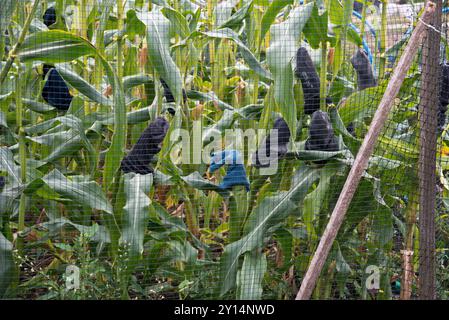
158,39
279,57
174,233
7,267
260,222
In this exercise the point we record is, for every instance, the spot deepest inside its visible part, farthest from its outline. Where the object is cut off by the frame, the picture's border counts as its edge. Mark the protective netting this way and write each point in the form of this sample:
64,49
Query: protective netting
187,149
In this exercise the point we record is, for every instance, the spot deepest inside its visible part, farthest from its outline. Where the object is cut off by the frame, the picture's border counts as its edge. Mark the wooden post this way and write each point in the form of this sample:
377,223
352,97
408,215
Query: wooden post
428,113
361,161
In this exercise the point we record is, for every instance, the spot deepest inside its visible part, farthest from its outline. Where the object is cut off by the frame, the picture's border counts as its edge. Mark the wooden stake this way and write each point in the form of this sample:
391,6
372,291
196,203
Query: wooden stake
428,114
361,161
407,277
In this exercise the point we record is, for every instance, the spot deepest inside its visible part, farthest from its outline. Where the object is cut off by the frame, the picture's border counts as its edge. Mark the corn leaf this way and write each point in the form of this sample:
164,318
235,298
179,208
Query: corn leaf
271,211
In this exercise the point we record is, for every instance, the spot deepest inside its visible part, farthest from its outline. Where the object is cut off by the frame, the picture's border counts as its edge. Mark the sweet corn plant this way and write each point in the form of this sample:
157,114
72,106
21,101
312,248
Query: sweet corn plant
113,157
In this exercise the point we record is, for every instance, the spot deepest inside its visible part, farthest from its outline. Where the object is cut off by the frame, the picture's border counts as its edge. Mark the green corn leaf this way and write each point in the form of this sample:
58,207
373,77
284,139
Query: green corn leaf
359,105
136,80
271,211
8,164
38,107
82,193
178,21
116,151
158,38
223,11
6,14
56,46
133,117
249,278
248,56
85,88
314,155
7,266
270,15
209,96
237,18
315,199
73,141
133,25
135,212
336,14
196,181
279,56
315,29
3,122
